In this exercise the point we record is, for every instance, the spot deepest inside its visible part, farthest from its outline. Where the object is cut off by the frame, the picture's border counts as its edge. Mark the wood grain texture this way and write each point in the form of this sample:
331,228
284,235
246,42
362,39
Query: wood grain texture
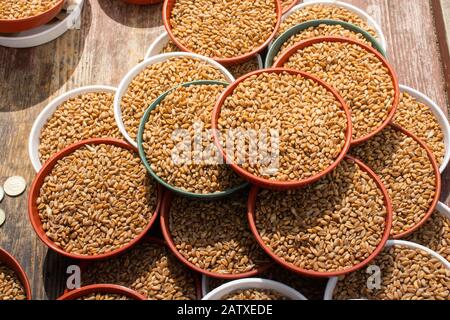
445,5
113,38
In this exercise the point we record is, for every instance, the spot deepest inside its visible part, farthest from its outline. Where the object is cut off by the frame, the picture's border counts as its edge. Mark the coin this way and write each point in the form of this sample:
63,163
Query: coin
15,186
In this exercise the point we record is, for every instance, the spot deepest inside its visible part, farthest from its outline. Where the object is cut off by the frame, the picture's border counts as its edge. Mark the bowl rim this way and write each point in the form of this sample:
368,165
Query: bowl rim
393,75
164,223
164,38
276,45
443,209
146,162
136,70
84,265
166,13
332,282
361,13
275,184
289,7
43,117
438,183
29,39
317,274
26,19
102,288
33,213
440,117
254,283
11,262
12,26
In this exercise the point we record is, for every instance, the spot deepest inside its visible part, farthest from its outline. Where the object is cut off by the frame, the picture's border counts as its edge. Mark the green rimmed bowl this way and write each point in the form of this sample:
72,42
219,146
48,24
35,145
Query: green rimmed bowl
274,49
147,165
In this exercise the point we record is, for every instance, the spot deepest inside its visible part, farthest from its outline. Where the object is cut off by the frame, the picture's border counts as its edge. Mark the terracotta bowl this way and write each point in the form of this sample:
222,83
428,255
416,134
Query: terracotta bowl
167,10
38,181
276,184
315,274
18,25
14,265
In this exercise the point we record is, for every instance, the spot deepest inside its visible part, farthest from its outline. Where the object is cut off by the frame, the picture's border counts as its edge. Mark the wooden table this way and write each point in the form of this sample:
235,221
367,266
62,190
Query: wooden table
113,38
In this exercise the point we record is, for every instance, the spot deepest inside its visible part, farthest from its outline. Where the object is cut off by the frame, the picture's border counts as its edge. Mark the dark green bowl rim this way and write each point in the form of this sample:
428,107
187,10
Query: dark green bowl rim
147,165
275,47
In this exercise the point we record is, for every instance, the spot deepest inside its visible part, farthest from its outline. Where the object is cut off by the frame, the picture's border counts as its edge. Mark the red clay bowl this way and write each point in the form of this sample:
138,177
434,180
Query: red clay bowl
165,212
301,45
18,25
438,183
14,265
102,288
315,274
167,10
142,2
84,265
33,213
274,184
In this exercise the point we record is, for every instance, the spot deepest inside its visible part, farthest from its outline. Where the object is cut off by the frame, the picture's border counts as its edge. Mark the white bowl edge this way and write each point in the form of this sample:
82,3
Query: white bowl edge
47,112
439,114
253,283
43,34
158,44
332,282
369,19
123,86
205,285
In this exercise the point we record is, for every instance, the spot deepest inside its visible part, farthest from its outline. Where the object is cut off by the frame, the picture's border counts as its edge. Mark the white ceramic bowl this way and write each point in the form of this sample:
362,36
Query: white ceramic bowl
253,283
163,39
43,34
123,86
332,282
366,17
205,285
41,120
439,114
443,209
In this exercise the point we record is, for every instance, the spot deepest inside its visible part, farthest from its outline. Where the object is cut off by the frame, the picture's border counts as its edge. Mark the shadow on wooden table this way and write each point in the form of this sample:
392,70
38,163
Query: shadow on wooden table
135,16
54,273
31,75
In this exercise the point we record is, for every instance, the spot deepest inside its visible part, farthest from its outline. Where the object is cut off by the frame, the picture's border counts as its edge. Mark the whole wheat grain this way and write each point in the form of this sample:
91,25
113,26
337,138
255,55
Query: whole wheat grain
321,31
148,268
307,119
407,172
197,170
96,200
20,9
330,226
255,294
406,274
223,29
434,234
321,11
11,288
89,115
237,70
157,79
104,296
215,235
417,118
357,74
